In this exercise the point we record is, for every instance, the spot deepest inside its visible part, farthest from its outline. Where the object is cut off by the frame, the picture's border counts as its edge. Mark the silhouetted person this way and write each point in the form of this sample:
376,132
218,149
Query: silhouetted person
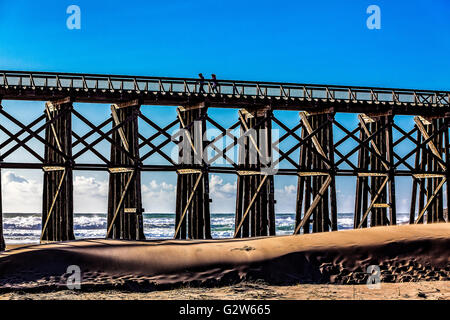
201,83
215,84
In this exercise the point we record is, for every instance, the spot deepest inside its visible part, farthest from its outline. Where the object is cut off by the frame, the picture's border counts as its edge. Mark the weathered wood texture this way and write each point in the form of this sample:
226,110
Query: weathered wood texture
316,208
125,220
2,240
255,202
427,202
375,183
57,208
192,212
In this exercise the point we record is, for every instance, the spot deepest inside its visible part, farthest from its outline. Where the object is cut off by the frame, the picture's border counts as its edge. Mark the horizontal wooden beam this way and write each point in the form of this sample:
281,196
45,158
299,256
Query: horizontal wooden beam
372,174
427,175
308,174
120,170
381,205
222,101
187,107
188,171
248,172
366,118
53,168
54,104
379,114
326,110
131,103
431,118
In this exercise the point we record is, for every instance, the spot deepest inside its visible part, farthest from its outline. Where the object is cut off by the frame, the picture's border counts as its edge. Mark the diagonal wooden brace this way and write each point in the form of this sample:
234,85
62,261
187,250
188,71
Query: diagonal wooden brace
430,200
373,202
250,205
119,205
314,204
316,143
120,130
188,135
426,136
366,130
252,139
52,125
53,204
191,196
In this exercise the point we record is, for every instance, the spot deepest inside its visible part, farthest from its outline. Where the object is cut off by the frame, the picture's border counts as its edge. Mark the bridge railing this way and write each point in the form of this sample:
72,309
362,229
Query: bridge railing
189,86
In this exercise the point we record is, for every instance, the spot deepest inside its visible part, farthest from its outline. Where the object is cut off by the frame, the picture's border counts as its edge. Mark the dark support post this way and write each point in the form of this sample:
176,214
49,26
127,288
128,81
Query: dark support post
416,183
360,185
2,240
376,178
125,220
432,137
192,218
390,157
255,201
57,209
447,161
316,193
333,201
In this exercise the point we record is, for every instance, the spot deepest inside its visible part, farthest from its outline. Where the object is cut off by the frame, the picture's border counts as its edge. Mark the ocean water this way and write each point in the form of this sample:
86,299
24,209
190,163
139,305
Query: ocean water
26,227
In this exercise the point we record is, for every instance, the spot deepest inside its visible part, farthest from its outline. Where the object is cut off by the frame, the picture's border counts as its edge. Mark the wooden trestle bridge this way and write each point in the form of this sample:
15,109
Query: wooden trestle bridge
321,157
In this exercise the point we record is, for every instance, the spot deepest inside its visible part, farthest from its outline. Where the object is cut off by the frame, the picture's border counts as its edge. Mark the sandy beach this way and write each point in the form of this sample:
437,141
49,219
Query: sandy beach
423,290
413,259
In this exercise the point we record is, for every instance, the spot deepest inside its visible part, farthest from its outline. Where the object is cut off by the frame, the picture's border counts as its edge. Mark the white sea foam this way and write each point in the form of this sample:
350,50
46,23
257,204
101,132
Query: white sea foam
26,228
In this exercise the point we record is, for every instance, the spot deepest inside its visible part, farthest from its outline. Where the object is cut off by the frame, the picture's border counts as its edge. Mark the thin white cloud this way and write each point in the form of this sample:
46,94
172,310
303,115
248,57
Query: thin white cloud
90,195
24,194
220,189
20,195
223,195
286,198
158,197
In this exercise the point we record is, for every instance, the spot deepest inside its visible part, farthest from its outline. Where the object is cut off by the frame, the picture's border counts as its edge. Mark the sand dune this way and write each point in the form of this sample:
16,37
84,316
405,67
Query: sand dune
403,253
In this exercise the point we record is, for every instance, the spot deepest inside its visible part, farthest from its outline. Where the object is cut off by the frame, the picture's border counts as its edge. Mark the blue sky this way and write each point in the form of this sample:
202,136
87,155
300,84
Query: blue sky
293,41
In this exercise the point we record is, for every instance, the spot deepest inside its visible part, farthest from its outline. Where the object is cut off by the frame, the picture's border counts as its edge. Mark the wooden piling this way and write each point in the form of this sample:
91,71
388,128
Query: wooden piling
57,209
125,212
316,208
255,201
192,212
446,146
376,176
2,240
432,146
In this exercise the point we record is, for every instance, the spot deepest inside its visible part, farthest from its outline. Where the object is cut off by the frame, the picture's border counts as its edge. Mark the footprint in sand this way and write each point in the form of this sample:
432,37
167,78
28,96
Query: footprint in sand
244,248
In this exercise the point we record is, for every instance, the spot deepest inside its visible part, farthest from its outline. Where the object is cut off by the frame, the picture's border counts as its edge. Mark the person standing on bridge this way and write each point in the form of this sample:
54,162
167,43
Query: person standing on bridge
201,83
215,84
